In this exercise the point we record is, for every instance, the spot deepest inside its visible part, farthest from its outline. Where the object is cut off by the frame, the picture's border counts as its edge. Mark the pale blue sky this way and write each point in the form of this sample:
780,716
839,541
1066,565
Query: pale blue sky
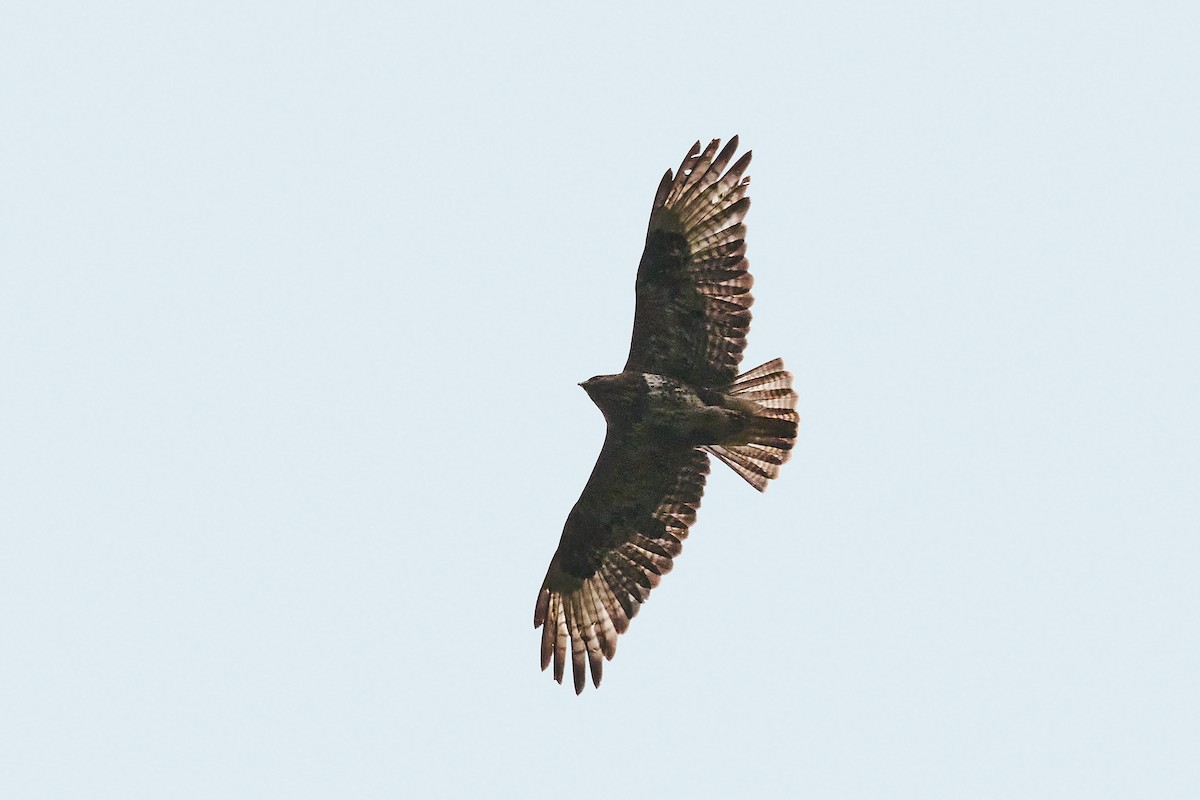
294,300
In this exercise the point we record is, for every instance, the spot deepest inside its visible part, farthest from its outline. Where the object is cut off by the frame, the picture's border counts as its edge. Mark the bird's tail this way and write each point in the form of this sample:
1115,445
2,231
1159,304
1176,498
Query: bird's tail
767,443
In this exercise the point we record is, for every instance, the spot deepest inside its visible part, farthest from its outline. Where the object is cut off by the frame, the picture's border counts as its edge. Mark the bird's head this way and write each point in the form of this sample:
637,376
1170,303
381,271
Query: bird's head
609,392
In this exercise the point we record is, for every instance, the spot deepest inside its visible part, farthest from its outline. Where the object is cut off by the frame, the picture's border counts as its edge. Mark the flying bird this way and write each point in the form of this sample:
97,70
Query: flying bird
678,400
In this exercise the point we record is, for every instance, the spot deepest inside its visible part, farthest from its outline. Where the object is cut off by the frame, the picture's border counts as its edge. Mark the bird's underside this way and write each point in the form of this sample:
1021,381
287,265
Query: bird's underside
678,399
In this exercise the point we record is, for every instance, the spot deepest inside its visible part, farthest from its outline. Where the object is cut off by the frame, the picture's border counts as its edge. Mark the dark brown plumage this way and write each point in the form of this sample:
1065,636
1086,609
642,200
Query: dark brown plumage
678,398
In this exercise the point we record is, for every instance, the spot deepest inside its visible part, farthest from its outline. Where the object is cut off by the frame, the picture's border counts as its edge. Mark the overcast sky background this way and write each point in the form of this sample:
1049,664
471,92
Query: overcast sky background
293,305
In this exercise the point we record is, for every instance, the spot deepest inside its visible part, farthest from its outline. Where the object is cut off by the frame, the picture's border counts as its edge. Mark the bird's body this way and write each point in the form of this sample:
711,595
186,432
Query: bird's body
667,412
678,399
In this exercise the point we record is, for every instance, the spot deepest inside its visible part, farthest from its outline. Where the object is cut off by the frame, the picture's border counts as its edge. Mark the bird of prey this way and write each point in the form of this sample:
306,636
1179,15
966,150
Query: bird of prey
678,399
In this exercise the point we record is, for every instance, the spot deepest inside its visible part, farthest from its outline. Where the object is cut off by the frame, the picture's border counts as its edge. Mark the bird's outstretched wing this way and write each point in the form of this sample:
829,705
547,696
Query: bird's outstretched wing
693,284
618,542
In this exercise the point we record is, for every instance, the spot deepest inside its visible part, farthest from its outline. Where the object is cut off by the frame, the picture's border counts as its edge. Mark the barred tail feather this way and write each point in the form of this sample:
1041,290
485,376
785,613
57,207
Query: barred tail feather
772,432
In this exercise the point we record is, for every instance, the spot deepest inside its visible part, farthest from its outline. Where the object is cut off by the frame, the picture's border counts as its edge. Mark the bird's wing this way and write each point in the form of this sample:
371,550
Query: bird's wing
693,285
618,542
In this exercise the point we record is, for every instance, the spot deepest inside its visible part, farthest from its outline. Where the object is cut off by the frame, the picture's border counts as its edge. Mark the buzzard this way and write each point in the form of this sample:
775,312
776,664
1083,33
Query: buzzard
678,399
